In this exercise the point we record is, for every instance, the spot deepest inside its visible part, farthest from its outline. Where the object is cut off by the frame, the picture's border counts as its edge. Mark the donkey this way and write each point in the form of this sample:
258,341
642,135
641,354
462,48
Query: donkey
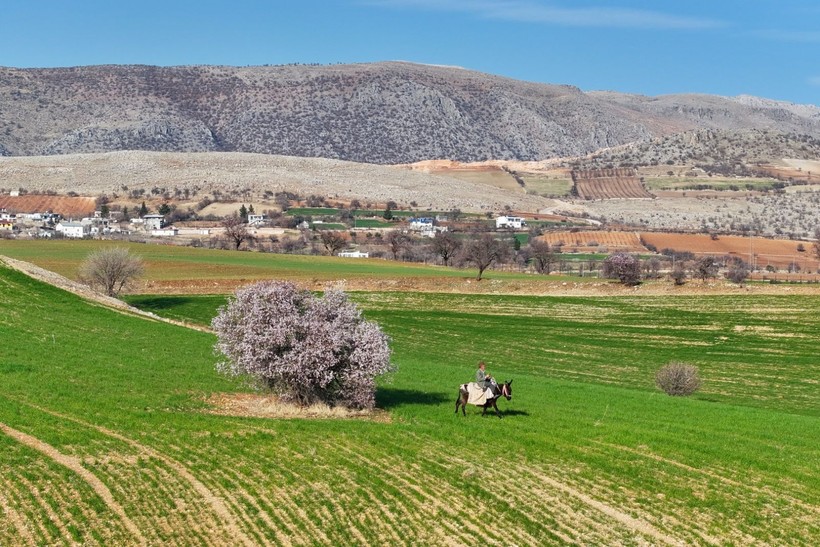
504,390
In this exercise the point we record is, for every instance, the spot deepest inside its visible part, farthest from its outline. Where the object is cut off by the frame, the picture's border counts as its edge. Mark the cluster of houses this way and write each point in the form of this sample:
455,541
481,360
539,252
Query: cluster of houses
96,225
48,224
12,221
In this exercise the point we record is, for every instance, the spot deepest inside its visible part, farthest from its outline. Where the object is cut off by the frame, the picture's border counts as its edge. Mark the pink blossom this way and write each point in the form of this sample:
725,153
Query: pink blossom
306,348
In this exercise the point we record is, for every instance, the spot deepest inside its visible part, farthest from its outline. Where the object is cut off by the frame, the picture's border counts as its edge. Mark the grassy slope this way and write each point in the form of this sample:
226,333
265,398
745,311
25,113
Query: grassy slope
174,263
574,461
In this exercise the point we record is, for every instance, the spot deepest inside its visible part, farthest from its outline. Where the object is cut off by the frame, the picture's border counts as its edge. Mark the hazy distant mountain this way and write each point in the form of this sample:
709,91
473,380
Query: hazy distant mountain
379,113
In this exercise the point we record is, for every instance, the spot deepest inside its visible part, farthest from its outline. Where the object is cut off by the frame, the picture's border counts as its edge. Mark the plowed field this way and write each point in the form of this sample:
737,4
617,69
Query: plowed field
608,184
776,252
597,240
37,203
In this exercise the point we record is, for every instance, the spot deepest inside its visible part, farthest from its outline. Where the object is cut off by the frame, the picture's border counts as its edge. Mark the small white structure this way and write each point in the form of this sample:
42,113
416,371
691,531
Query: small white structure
425,226
257,219
73,229
354,254
165,232
153,222
421,224
516,223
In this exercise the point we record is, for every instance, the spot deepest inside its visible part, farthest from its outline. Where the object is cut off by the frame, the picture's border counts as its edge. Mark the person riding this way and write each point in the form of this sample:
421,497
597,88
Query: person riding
484,380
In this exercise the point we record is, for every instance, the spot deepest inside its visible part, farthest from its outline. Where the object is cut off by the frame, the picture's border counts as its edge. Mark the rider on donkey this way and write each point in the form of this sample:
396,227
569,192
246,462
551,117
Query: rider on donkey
484,380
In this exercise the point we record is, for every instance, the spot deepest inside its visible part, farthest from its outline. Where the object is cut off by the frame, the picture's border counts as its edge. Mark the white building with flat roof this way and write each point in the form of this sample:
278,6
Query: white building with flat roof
73,229
516,223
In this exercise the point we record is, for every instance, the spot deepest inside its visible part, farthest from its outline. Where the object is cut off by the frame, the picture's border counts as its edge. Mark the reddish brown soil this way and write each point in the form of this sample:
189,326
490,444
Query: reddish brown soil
36,203
608,183
591,241
776,252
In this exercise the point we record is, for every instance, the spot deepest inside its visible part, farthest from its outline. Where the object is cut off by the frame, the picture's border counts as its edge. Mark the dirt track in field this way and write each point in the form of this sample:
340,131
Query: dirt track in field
76,466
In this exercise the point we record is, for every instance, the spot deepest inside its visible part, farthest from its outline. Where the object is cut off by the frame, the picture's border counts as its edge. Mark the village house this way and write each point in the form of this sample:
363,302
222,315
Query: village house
515,223
153,222
73,229
425,226
257,219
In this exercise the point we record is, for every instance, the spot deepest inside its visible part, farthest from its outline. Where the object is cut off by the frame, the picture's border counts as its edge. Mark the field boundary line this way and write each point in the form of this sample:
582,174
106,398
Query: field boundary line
216,503
75,465
631,522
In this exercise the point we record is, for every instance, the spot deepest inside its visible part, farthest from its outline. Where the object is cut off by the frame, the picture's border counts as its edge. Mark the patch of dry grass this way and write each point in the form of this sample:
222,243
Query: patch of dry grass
263,405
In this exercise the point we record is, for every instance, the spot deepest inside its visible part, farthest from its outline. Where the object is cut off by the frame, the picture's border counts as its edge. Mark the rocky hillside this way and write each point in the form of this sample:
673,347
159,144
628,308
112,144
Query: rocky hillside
376,113
716,151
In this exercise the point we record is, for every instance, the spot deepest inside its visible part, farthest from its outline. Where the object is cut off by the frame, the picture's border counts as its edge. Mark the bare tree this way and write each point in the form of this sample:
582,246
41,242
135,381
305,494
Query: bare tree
111,269
678,274
706,267
738,273
483,251
398,242
235,230
542,255
445,245
817,243
333,240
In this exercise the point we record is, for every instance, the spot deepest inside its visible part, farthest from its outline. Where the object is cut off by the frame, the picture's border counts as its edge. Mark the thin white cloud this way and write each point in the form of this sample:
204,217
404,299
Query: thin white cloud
529,11
815,81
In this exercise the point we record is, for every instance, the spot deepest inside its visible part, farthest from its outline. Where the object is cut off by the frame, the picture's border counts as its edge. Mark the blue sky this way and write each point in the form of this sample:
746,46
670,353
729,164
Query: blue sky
725,47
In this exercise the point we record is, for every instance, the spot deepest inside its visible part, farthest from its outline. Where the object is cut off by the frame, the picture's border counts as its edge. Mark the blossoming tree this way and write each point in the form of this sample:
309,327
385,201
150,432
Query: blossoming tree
306,348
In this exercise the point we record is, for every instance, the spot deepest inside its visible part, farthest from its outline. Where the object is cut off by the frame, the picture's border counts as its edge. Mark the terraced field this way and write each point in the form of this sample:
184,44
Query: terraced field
106,436
608,184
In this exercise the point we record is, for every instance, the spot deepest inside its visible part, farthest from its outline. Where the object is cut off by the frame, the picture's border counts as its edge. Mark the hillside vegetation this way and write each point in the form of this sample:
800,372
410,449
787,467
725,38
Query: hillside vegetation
198,175
719,152
377,113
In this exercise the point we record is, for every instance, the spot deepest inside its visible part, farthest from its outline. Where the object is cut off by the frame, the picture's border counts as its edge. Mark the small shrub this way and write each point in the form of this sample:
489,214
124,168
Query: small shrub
738,274
678,379
678,275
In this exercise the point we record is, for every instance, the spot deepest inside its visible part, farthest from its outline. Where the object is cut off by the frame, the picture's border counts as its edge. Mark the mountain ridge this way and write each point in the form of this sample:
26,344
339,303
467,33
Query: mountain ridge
385,113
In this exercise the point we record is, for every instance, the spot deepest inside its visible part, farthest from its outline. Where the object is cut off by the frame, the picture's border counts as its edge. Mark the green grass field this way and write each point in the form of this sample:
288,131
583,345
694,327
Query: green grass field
547,186
107,439
214,270
371,223
713,183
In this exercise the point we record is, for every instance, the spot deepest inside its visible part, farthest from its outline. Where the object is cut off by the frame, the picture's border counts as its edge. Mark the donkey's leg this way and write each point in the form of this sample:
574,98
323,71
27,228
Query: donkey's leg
497,412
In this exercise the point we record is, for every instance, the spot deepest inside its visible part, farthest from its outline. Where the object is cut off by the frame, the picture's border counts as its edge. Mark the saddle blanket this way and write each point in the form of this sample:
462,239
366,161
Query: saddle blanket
476,395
